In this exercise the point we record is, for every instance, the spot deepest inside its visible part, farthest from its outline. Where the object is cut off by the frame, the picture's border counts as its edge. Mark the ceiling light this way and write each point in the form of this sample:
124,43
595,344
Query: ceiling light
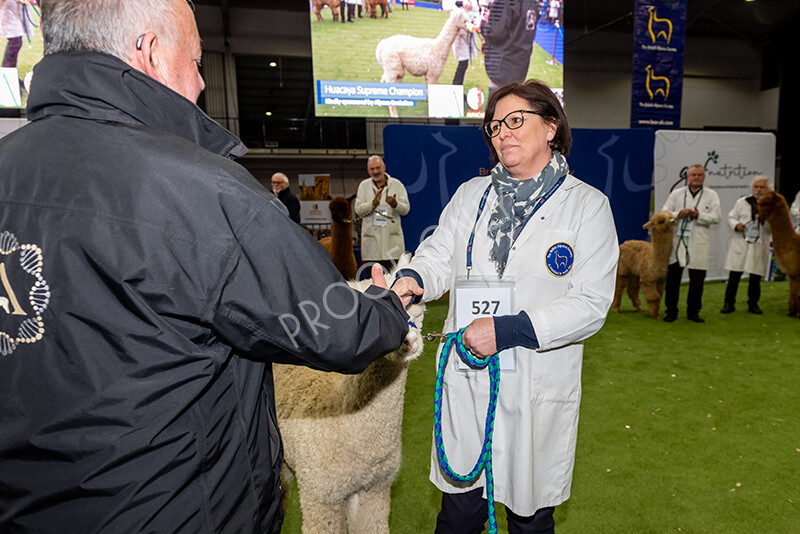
268,114
274,64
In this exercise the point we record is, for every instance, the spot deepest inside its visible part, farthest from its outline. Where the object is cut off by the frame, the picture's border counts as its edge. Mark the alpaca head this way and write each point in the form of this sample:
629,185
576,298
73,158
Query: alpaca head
461,18
412,344
340,210
771,205
662,222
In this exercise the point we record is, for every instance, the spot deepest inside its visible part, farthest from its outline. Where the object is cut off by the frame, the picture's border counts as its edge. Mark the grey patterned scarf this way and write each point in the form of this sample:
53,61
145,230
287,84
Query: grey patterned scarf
516,200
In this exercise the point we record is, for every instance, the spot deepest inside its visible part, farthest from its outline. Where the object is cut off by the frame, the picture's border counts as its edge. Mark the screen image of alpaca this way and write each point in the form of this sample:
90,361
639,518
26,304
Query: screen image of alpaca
20,50
420,59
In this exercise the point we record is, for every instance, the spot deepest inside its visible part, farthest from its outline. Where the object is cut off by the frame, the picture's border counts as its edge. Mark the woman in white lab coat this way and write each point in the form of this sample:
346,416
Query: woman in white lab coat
552,238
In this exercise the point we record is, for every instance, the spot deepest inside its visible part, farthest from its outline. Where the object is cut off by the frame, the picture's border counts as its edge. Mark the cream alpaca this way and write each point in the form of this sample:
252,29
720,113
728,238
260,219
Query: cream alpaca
342,437
420,56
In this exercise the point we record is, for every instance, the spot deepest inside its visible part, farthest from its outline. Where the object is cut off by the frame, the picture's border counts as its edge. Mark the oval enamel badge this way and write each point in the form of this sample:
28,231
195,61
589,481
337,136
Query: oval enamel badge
559,259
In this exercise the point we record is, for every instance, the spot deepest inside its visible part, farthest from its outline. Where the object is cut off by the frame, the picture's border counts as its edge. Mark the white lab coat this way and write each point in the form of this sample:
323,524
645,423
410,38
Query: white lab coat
743,256
707,204
537,413
794,211
382,242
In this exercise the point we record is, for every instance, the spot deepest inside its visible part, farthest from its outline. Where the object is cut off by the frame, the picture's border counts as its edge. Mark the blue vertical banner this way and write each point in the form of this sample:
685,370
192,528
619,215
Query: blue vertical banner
659,42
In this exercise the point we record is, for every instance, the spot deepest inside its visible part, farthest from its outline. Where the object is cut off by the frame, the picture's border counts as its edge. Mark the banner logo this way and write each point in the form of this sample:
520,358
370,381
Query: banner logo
24,293
656,84
559,259
658,27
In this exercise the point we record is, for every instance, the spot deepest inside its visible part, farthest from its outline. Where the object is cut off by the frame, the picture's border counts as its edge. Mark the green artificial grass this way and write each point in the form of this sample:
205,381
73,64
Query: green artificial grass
347,52
684,427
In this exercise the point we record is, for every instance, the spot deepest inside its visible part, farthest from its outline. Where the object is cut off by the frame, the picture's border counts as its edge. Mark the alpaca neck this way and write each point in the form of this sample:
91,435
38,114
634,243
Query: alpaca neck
382,377
342,233
662,247
446,37
781,226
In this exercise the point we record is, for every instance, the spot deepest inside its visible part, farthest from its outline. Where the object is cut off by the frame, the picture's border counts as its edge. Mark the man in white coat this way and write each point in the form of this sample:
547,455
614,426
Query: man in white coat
749,248
695,208
380,202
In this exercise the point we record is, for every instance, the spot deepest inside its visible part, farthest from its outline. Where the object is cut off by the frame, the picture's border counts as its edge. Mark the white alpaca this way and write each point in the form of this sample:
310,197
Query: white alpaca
420,56
342,437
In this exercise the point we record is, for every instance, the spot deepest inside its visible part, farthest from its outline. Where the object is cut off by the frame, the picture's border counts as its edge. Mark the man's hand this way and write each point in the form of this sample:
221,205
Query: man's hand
392,200
377,199
479,338
739,227
406,288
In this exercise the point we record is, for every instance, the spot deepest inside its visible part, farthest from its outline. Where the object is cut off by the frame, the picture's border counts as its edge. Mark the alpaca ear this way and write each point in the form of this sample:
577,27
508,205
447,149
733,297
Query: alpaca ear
351,198
647,225
329,197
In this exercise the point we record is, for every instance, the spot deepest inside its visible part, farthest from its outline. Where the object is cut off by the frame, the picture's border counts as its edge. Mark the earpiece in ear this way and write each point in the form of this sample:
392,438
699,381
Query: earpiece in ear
139,42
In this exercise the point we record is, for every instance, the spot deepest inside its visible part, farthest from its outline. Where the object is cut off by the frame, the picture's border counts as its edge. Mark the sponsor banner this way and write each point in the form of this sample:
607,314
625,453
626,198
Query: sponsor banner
314,194
731,161
659,39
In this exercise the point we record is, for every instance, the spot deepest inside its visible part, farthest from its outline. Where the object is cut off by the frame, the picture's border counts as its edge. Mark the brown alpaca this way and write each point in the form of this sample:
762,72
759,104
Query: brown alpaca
772,207
333,4
645,263
372,7
340,243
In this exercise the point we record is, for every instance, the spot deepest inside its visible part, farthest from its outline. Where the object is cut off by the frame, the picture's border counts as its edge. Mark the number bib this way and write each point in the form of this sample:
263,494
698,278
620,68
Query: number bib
484,297
379,219
687,227
752,232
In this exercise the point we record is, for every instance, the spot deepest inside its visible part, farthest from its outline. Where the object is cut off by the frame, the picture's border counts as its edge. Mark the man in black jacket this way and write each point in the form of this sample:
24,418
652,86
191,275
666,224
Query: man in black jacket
508,29
147,284
281,189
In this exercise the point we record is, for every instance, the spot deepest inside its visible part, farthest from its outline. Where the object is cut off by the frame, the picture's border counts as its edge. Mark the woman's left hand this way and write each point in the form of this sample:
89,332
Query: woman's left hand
479,339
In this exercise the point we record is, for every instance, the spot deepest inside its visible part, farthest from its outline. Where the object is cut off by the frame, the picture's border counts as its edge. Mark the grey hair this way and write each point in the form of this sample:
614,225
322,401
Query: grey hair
761,178
375,157
110,26
283,177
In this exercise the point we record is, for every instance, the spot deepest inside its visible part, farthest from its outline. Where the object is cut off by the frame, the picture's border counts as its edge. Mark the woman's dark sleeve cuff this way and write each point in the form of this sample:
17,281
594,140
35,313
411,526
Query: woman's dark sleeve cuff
401,273
514,331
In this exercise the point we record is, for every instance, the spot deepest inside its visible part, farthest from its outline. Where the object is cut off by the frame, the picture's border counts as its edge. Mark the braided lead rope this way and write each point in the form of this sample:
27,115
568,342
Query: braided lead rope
370,212
682,240
485,457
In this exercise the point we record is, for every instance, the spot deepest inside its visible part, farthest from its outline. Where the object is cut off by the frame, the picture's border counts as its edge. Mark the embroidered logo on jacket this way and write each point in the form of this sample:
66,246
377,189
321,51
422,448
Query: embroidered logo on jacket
559,259
24,293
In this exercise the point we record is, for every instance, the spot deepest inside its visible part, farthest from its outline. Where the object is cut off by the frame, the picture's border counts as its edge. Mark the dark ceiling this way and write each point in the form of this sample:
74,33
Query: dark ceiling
755,22
759,23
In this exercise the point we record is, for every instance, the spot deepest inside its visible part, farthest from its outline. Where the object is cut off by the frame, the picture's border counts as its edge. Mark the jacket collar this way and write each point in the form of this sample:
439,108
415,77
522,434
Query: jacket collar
97,86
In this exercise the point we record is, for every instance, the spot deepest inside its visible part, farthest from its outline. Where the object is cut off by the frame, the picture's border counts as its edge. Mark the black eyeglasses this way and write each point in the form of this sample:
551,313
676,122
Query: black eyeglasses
513,120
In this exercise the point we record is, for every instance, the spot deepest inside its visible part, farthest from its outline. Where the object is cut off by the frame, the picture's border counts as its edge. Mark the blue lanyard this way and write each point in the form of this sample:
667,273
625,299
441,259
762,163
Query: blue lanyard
482,204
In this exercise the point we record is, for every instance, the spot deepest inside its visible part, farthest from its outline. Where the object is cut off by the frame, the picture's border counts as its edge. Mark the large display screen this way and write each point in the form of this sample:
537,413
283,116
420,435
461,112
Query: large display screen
21,49
424,59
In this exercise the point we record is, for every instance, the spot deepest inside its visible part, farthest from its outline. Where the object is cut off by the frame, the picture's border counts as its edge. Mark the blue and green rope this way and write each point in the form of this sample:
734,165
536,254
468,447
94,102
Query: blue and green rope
485,457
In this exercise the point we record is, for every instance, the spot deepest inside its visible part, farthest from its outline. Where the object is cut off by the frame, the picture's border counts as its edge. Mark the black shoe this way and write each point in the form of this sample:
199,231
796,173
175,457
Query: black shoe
696,318
670,317
755,309
728,308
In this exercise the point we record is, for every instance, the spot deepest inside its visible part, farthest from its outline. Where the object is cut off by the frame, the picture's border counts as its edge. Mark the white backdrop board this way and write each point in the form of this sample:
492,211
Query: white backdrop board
731,160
